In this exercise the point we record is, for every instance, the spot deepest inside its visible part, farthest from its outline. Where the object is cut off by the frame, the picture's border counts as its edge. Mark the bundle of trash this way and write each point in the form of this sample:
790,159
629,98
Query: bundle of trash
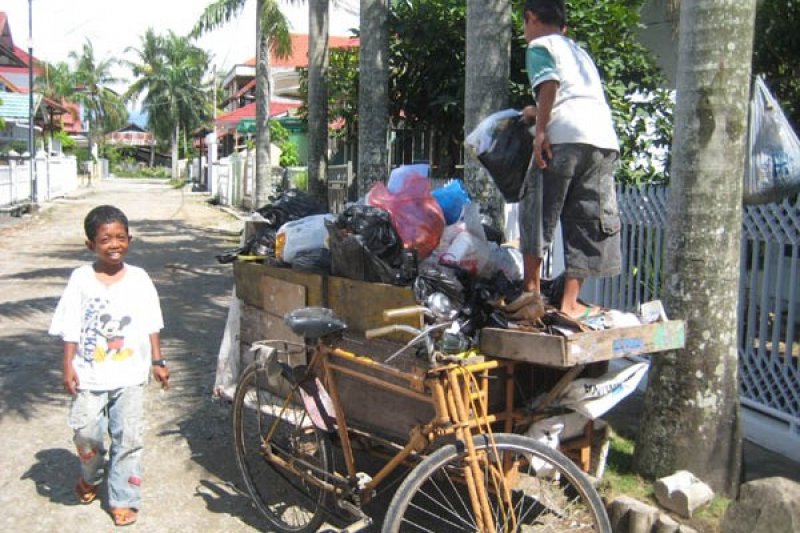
405,233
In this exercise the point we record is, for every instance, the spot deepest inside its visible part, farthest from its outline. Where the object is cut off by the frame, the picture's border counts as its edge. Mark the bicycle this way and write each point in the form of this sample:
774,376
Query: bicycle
463,476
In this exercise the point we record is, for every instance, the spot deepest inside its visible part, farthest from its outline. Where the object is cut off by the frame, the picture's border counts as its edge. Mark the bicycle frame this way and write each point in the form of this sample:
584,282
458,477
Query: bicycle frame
458,393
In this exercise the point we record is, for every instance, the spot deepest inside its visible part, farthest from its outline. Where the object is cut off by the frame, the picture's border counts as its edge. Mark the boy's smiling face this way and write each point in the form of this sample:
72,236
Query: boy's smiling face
110,245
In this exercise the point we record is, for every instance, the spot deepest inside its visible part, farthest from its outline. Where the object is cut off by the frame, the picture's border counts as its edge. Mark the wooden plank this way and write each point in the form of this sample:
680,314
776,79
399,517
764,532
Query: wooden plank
248,282
280,297
361,303
581,348
623,342
523,346
247,278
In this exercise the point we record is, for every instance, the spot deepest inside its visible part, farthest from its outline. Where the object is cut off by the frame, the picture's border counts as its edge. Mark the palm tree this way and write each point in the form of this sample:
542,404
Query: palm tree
148,57
317,97
488,38
170,71
57,81
103,109
373,94
691,415
272,33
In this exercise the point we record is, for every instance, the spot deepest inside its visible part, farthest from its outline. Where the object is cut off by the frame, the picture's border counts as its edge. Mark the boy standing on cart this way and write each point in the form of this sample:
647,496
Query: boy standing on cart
571,177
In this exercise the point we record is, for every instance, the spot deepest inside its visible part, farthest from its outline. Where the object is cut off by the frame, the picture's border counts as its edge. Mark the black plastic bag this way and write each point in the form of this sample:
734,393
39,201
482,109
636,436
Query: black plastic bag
289,205
504,149
374,225
438,278
317,261
351,258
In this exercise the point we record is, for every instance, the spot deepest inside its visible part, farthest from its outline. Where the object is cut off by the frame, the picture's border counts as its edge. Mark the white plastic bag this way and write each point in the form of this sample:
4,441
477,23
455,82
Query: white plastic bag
482,137
772,170
469,248
593,397
303,235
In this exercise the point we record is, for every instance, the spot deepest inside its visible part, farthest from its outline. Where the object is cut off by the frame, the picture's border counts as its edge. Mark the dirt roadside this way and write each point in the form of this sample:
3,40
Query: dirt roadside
189,465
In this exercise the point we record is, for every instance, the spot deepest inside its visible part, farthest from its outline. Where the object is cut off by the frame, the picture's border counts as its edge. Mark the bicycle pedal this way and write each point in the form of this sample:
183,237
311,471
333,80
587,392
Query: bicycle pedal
362,478
360,525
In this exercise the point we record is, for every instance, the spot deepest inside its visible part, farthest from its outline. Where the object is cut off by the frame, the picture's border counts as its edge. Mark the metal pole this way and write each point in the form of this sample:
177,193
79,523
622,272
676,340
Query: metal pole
31,150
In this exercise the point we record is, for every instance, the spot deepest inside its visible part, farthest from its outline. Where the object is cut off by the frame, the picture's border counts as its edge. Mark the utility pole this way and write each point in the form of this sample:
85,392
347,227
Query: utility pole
31,150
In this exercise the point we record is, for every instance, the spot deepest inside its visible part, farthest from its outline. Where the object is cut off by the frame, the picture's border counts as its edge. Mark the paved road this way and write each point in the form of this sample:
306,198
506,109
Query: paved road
189,467
190,475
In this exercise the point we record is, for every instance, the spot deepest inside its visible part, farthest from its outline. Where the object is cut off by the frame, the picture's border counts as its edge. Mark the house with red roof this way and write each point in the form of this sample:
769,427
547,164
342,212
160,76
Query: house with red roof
48,114
238,101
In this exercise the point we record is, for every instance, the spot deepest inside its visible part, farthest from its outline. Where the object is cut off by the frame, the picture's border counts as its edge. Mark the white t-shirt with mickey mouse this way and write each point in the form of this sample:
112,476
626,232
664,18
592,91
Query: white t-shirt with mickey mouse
111,325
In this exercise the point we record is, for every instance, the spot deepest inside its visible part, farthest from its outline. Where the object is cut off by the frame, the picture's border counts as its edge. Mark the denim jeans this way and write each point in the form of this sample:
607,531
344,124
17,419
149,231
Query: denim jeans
119,413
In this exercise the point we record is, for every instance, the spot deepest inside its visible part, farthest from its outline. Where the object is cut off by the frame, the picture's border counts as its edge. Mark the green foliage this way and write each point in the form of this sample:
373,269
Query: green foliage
82,155
68,144
279,136
300,181
776,52
142,172
103,109
342,81
290,156
427,56
278,133
169,72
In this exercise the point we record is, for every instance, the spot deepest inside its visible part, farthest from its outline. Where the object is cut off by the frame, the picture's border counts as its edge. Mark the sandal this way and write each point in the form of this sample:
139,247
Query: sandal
86,492
123,516
591,311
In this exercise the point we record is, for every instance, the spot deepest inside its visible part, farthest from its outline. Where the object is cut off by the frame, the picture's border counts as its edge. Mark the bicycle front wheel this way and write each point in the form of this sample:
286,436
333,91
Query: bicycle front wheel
288,502
435,496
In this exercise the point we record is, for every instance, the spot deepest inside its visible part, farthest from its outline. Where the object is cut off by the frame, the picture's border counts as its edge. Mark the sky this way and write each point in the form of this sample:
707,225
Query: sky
61,26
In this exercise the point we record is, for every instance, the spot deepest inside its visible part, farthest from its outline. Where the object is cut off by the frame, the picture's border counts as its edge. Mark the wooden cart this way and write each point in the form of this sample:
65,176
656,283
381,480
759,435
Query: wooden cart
537,362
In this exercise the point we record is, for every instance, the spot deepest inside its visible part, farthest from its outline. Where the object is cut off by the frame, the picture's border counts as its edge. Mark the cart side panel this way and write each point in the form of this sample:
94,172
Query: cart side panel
361,303
582,348
248,278
532,347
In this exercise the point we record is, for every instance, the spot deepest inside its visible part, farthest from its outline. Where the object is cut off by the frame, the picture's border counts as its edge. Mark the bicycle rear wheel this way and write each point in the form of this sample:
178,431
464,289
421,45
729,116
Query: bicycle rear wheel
288,502
434,496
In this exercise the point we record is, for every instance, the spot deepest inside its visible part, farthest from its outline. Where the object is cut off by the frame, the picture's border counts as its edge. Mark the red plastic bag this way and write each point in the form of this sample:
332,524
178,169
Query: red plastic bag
416,215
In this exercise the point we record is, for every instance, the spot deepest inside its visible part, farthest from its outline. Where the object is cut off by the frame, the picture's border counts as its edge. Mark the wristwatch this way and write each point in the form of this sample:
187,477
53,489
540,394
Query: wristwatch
160,362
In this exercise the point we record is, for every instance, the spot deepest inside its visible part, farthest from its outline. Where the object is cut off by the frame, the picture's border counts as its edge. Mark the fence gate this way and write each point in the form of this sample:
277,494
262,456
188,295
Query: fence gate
769,304
340,178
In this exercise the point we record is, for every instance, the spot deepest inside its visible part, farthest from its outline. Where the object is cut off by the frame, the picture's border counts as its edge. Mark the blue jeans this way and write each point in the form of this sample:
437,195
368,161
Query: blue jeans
119,413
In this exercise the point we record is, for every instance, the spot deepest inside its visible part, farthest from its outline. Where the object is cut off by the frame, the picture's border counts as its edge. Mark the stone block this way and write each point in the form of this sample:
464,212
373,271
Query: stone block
682,493
769,505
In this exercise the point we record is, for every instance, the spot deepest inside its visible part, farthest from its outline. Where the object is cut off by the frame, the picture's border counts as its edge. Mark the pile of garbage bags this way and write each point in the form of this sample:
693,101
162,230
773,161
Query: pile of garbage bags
403,233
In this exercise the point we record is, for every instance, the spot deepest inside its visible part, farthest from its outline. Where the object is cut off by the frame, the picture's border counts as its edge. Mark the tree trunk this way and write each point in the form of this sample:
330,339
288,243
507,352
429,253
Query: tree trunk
486,86
691,415
318,98
373,95
174,147
263,177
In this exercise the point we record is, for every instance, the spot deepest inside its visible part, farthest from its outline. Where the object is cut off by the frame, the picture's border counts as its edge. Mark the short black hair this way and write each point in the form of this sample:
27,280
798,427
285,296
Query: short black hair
552,12
103,214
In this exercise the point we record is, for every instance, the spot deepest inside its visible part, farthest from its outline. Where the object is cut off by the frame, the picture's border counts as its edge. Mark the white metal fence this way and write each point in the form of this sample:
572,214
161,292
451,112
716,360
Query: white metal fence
769,303
54,175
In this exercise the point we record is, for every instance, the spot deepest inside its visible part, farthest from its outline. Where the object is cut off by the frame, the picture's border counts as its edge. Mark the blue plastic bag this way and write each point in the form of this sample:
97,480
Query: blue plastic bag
452,198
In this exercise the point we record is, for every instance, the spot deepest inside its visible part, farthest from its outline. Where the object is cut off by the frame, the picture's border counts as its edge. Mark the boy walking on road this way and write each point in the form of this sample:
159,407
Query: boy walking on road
109,317
571,177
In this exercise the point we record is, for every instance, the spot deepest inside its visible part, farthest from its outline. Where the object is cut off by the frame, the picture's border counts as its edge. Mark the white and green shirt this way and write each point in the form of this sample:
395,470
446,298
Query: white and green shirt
580,112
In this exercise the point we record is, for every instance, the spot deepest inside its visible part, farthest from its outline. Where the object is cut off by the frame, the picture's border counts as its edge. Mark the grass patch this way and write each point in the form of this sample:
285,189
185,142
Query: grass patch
619,479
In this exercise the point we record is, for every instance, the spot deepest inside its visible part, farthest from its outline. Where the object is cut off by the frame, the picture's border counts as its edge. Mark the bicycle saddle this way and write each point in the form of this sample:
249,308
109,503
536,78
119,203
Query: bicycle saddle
313,322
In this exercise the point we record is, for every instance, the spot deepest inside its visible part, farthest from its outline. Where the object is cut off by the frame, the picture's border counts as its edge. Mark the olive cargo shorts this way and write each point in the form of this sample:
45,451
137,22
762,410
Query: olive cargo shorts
577,187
